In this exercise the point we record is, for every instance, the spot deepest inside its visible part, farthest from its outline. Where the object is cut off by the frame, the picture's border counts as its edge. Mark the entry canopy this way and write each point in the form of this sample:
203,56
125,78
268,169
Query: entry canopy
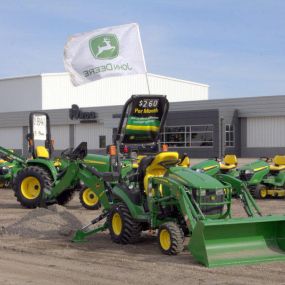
142,119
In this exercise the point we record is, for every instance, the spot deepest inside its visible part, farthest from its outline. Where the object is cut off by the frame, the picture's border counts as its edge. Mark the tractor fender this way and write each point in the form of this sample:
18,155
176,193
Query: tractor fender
137,211
46,164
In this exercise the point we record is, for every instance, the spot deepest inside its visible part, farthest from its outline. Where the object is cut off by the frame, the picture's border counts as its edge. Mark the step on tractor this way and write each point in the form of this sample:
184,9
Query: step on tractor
172,200
10,164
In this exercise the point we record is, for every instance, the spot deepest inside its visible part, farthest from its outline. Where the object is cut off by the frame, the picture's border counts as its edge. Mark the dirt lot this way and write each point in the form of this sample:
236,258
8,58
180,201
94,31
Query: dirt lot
35,249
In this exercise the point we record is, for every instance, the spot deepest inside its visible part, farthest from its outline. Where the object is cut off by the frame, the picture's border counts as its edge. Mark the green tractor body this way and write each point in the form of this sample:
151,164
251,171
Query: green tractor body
173,200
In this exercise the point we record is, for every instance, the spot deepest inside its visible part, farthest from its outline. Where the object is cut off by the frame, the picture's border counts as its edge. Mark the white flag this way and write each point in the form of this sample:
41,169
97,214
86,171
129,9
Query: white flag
113,51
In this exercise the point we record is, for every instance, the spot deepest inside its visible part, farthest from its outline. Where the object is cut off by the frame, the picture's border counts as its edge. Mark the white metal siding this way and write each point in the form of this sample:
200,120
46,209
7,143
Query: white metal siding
266,132
90,133
60,134
20,94
11,138
58,92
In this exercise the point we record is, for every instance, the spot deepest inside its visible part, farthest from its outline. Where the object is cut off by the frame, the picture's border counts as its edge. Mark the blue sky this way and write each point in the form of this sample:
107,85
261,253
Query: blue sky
235,46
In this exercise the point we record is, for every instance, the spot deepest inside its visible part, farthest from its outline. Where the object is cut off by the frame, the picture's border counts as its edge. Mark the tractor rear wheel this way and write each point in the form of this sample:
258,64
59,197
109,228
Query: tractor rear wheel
89,199
65,197
123,228
170,238
260,191
29,185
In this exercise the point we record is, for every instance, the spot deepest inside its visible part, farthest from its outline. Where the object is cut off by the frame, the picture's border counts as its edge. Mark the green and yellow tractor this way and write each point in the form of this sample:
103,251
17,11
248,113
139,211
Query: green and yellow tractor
173,200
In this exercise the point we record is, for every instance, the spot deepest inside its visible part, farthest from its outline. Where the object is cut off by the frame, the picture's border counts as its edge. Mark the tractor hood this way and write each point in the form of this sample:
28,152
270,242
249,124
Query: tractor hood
210,166
100,162
193,178
255,166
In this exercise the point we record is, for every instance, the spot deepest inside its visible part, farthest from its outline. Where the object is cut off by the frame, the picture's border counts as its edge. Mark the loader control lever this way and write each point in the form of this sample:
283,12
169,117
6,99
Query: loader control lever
106,176
78,153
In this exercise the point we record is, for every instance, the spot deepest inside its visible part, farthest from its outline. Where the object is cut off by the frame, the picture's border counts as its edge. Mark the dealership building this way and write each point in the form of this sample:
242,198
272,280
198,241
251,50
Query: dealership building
248,127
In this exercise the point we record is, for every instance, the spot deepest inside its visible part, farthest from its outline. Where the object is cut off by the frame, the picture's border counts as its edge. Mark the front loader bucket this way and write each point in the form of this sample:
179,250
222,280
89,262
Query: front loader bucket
239,241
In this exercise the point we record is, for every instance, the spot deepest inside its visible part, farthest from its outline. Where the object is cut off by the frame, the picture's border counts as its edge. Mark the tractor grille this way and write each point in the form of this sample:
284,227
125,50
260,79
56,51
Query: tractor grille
207,200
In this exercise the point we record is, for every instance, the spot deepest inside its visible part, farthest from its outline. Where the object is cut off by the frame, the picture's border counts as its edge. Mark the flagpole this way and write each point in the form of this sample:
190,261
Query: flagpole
147,83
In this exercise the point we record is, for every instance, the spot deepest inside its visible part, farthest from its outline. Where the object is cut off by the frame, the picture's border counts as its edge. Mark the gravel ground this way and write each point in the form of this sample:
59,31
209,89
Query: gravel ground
35,248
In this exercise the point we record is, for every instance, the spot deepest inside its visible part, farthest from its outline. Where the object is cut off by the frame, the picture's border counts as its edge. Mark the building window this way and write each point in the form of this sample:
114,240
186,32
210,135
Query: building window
102,141
230,135
188,136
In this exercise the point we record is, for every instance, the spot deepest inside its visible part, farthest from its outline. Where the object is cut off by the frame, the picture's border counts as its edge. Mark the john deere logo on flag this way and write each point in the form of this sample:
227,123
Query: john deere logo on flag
104,46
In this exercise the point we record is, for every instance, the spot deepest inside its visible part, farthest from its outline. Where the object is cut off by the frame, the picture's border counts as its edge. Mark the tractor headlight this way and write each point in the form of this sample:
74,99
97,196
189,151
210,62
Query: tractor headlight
202,192
246,174
4,170
220,192
200,170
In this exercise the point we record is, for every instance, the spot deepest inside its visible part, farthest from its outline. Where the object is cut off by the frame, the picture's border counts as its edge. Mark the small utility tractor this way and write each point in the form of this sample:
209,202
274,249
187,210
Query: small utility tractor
173,200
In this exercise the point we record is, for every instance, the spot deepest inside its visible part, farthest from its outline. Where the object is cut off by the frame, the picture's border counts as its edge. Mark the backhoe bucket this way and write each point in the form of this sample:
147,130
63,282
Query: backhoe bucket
239,241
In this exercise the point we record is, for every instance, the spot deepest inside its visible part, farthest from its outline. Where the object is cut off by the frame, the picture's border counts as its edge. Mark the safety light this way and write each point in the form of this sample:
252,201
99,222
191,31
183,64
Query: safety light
112,150
125,150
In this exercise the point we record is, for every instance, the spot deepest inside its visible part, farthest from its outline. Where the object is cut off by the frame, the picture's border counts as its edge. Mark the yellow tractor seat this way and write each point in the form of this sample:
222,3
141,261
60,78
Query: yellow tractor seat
279,163
230,162
185,161
137,162
42,152
2,161
155,168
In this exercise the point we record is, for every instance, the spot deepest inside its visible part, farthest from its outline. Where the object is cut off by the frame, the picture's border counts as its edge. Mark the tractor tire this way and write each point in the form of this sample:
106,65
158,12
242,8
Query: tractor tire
65,197
260,192
29,185
170,238
122,227
88,199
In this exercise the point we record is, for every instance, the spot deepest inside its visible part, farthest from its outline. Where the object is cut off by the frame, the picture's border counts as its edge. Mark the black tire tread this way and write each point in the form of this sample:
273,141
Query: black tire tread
176,236
47,181
65,197
131,229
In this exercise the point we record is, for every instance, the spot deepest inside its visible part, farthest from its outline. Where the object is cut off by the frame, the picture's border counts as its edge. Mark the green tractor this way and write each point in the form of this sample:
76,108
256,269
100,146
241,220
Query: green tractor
41,172
11,164
173,200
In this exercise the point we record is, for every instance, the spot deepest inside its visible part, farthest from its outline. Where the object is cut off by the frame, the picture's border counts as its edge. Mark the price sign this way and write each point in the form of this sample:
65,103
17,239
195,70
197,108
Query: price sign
40,127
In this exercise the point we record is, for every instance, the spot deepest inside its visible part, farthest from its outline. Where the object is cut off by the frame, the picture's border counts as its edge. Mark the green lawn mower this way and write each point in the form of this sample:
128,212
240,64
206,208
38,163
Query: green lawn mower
264,179
173,200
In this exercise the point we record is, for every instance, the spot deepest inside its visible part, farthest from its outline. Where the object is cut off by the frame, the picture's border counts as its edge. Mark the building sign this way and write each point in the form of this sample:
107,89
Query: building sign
76,114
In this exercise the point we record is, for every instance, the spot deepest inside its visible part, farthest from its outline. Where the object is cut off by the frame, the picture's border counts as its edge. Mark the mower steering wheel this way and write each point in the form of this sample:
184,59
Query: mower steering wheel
170,162
266,159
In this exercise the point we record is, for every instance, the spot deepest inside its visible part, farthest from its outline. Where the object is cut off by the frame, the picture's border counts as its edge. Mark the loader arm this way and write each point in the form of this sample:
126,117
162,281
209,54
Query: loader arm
242,191
12,155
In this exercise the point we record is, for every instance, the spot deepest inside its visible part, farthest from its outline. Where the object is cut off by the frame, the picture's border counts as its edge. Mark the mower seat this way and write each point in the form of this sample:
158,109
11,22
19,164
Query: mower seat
230,162
279,163
155,168
42,152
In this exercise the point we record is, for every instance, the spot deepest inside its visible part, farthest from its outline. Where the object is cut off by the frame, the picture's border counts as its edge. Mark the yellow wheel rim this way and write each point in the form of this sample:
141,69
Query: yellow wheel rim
164,239
89,197
117,224
31,187
263,193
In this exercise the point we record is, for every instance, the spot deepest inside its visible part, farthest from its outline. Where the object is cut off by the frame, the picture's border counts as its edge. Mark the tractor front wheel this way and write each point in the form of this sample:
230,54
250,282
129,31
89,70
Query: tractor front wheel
89,199
260,191
29,185
123,228
170,238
